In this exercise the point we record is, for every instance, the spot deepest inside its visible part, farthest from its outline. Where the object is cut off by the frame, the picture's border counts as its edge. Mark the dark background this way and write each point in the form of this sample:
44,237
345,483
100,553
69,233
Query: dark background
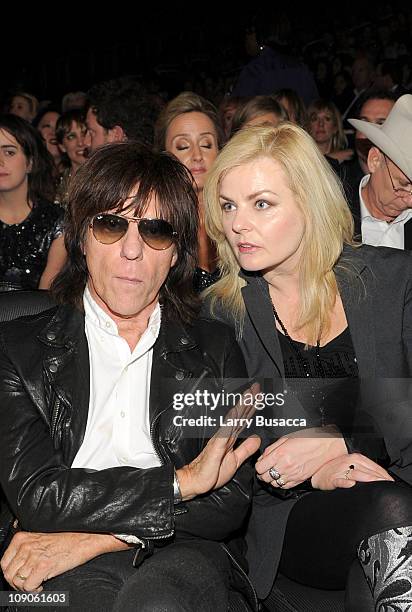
52,50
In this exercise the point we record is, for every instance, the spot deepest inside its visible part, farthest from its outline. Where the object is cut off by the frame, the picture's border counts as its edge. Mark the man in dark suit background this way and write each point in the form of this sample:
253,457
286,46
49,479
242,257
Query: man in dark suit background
383,210
274,67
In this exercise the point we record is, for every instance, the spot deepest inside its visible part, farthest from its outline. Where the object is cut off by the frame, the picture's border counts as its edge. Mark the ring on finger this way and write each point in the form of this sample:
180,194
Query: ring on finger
21,577
280,482
348,471
273,473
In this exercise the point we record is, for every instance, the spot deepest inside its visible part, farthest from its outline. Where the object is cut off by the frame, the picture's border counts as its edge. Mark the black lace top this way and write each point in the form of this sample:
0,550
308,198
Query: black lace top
325,379
24,246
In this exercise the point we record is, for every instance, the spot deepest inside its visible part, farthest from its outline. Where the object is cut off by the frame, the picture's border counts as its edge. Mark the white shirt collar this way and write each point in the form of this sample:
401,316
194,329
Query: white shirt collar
363,209
365,214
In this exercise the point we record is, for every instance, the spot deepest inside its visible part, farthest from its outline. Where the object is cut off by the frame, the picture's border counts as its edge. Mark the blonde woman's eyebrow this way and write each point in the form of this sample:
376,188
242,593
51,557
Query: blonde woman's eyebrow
252,196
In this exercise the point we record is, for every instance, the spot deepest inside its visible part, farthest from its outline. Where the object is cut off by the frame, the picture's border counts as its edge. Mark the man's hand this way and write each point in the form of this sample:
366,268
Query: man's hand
219,460
32,558
296,457
337,473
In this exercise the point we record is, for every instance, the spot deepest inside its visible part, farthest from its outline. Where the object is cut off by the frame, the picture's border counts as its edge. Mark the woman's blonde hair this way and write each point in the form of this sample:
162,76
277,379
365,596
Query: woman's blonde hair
339,141
186,102
319,194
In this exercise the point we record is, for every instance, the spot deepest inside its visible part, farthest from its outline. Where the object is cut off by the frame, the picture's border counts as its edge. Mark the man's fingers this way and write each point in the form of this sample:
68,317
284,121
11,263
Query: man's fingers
247,448
13,568
34,581
8,557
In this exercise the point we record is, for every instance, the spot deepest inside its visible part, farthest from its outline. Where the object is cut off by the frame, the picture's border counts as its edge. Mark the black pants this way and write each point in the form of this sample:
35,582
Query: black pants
325,528
181,577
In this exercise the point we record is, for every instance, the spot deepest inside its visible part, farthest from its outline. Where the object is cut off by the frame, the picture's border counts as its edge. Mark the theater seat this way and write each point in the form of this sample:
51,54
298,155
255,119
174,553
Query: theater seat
290,596
14,304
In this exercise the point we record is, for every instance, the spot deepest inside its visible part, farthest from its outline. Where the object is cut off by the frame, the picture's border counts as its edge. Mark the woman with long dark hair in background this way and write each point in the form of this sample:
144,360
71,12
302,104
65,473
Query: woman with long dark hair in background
31,227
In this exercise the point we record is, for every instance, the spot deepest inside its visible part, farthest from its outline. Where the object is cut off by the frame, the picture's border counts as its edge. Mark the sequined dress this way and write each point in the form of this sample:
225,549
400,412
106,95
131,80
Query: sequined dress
202,279
24,246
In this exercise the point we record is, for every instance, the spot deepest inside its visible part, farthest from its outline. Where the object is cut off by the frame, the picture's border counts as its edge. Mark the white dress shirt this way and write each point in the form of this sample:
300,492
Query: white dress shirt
377,232
118,429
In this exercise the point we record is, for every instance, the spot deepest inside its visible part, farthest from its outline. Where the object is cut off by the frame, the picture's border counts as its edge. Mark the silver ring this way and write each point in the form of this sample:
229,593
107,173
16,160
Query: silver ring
280,482
273,473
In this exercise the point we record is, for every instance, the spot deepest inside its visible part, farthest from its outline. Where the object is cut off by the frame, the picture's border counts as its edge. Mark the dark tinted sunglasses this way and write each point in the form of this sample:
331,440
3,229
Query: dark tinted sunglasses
156,233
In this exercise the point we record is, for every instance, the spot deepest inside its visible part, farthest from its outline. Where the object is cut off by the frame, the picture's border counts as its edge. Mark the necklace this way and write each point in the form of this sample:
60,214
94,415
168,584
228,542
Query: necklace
303,362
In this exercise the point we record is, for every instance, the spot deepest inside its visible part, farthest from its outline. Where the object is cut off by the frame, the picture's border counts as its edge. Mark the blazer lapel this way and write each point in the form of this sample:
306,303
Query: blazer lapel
258,306
356,214
356,294
407,234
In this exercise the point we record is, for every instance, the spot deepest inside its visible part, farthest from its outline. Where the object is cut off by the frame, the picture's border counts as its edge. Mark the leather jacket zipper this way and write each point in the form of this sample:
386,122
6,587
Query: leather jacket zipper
55,416
146,547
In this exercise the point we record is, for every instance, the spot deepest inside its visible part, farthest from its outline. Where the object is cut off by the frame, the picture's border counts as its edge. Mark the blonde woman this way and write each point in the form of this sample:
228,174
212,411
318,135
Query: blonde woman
326,128
326,320
189,128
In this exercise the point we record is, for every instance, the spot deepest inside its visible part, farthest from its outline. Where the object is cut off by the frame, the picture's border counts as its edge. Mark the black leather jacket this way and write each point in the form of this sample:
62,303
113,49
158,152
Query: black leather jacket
44,398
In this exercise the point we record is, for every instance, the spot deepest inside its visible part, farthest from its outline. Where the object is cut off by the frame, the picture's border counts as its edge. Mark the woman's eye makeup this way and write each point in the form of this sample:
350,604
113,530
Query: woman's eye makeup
262,204
181,145
227,206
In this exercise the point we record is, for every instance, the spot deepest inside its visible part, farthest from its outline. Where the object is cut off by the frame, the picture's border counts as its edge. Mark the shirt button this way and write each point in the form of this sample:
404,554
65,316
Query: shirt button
51,336
107,324
179,375
53,367
122,414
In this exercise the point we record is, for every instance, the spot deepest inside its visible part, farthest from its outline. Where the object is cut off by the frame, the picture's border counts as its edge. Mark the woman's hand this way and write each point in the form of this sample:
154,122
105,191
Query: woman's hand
296,457
32,558
339,472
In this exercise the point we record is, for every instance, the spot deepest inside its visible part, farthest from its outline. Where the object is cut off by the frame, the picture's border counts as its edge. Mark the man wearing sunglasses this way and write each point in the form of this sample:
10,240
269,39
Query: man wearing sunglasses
383,215
115,502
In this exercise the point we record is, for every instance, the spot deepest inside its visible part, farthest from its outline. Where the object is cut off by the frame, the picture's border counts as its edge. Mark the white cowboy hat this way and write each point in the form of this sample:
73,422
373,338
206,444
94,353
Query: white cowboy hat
394,136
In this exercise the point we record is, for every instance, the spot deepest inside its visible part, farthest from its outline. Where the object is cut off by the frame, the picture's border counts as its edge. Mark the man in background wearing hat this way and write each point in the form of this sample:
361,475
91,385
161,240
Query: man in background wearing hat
383,215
